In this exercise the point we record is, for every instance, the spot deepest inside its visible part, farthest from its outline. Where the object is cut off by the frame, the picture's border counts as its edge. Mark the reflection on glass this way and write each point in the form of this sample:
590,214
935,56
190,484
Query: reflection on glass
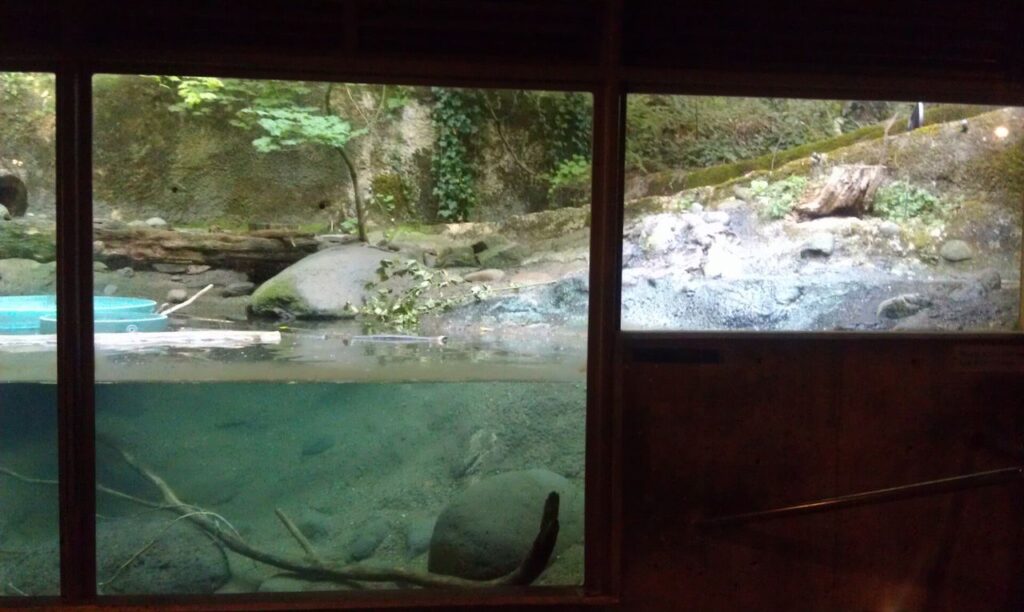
366,336
29,557
820,215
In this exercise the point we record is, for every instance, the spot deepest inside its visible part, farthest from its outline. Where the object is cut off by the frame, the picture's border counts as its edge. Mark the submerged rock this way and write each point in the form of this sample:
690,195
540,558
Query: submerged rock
417,536
487,530
369,537
322,284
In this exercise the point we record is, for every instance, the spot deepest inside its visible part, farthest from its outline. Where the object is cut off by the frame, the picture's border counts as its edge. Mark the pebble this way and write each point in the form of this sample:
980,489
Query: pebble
238,289
822,243
170,268
317,445
890,229
196,269
156,222
484,276
127,272
177,296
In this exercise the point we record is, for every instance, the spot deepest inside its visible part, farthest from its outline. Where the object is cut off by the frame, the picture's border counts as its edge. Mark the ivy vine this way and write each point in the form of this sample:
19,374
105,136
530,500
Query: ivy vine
456,116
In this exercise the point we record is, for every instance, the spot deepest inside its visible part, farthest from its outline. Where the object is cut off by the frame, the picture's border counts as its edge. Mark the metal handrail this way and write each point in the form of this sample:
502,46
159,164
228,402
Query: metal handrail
877,496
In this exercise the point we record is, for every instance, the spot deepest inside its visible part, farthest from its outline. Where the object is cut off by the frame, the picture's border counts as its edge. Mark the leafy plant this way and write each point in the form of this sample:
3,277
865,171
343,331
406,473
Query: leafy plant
456,118
400,309
570,182
281,112
779,197
902,201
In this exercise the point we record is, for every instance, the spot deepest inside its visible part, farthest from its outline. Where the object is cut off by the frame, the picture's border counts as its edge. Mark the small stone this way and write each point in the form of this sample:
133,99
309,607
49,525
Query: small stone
956,250
484,276
367,540
110,290
127,272
990,280
417,536
788,294
820,244
170,268
177,296
902,306
890,229
99,266
156,222
317,445
238,289
196,269
4,213
696,208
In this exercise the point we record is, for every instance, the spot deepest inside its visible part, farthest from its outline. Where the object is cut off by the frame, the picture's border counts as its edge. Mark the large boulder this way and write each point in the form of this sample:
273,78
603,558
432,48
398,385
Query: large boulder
487,530
322,284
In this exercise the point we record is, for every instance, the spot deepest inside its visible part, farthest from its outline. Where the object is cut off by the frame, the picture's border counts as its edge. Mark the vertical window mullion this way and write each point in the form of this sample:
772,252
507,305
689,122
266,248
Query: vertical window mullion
75,357
602,516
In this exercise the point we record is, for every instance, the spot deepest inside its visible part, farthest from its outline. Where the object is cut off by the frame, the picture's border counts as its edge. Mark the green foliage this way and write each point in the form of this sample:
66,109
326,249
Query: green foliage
666,132
390,309
456,115
779,197
901,201
300,125
390,194
570,182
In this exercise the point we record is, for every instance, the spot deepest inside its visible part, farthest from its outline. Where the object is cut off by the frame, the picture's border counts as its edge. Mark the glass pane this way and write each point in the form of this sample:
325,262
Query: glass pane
29,550
347,324
818,215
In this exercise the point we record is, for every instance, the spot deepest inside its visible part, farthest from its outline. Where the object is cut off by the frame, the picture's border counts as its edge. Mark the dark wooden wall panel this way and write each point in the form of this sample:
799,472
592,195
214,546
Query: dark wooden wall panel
853,38
782,422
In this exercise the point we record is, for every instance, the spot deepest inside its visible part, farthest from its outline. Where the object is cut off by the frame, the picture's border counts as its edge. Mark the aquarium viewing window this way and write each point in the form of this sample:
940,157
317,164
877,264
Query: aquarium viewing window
340,297
767,214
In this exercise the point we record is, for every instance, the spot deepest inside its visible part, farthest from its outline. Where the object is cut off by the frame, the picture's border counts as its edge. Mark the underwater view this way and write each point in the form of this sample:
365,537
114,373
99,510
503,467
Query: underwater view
341,329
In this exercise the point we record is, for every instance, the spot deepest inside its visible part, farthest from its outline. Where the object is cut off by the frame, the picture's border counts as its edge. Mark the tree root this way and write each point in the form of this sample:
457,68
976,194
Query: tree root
314,569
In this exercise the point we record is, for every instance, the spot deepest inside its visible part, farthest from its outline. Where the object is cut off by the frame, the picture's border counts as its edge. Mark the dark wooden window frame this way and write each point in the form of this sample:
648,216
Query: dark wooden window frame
64,41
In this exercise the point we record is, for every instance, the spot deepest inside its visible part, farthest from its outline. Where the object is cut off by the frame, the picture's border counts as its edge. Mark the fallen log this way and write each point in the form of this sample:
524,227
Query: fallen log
849,191
208,338
266,251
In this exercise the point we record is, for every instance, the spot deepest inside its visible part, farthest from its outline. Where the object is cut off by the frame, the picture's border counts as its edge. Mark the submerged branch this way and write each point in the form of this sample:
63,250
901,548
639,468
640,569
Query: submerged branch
528,571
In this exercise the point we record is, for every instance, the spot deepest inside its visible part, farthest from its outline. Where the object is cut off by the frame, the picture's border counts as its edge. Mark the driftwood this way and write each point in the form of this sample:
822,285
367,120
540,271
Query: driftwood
315,569
207,338
271,249
849,191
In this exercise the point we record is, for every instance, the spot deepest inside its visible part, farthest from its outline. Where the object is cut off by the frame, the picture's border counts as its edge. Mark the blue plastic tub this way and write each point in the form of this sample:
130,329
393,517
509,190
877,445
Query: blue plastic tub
114,322
19,314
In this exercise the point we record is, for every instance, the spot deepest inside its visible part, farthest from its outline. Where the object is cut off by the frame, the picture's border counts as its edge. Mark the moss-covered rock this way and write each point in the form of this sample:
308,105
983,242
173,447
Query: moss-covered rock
22,241
323,285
